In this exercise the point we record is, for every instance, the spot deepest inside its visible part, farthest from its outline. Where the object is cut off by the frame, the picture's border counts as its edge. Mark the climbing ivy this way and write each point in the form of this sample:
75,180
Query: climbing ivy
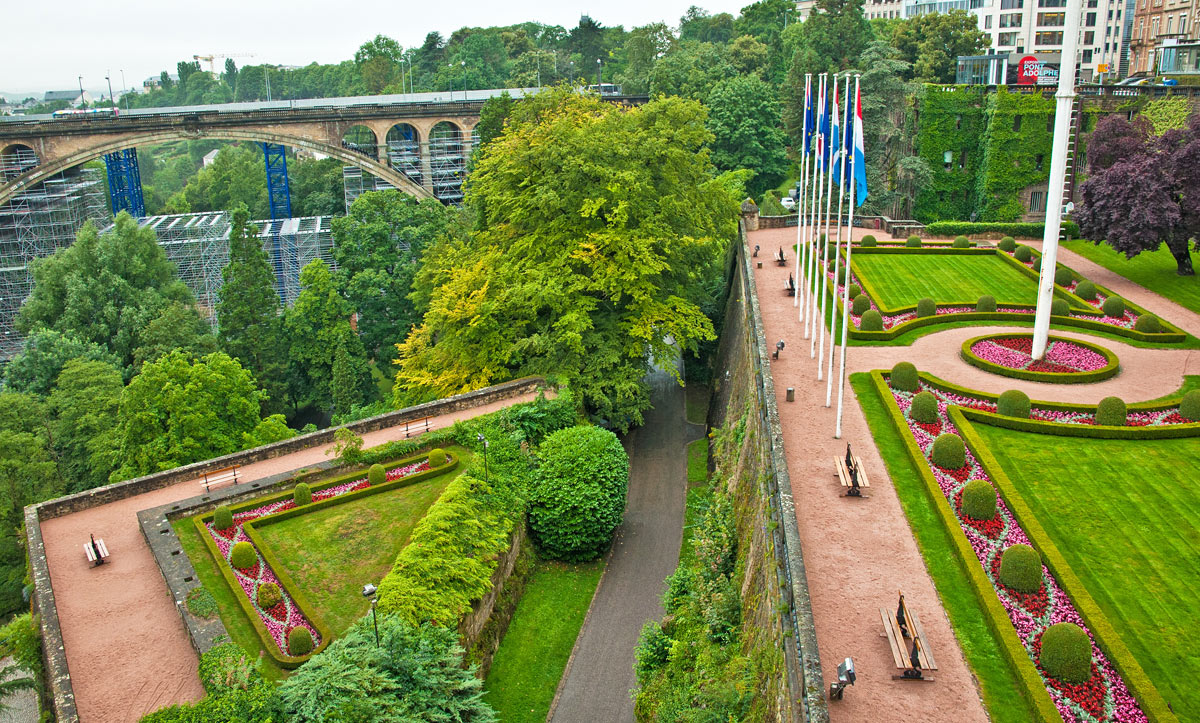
949,118
1167,113
1017,152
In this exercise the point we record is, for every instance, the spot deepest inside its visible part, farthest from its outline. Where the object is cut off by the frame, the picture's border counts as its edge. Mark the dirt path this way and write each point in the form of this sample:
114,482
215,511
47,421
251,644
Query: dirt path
645,553
859,552
127,649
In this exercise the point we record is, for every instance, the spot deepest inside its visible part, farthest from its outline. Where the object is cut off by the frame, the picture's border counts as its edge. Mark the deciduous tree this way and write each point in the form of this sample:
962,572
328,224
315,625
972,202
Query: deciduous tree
744,119
315,324
35,370
931,43
85,403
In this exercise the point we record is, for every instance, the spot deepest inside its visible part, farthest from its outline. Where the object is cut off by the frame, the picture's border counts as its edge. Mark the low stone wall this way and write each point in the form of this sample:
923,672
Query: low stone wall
482,629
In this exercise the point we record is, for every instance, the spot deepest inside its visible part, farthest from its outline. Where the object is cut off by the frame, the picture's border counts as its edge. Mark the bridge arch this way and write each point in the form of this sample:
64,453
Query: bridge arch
110,143
404,151
15,159
361,139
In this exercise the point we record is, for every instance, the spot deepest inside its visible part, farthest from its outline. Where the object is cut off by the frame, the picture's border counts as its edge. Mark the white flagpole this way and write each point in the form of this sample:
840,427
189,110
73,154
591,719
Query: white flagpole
809,321
837,434
825,244
803,188
816,232
849,240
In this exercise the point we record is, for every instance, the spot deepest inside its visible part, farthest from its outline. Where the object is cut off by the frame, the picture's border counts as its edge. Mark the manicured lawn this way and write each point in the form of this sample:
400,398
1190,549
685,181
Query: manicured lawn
1126,516
1001,694
1154,270
529,663
332,553
697,461
902,280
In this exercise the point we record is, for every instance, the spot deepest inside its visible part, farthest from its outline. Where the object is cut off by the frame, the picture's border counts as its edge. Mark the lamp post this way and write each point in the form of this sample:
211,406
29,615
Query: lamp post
598,66
463,64
368,591
80,91
111,98
483,439
406,60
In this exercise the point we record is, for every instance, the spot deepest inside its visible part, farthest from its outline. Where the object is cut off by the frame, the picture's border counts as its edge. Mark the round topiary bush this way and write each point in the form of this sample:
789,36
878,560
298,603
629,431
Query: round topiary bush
1111,412
1189,406
868,241
979,500
1008,243
243,556
871,320
1022,253
1021,568
861,304
1086,290
222,518
961,242
1037,264
1114,306
854,290
1063,276
926,307
376,475
1066,653
986,303
948,451
299,642
269,595
831,263
1060,307
1147,324
437,457
924,408
578,492
302,494
904,377
1013,403
913,242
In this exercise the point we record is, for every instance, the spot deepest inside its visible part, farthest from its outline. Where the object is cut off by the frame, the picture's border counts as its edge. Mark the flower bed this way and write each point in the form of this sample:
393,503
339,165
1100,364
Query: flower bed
1104,697
287,614
1066,360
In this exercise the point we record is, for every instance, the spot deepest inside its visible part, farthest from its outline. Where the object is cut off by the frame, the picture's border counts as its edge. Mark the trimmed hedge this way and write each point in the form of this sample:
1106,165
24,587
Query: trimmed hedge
299,641
1022,253
1037,264
1063,276
871,320
854,290
1013,403
961,242
913,242
1086,290
269,595
1113,306
924,408
868,241
1021,568
376,474
1110,369
222,518
242,556
1066,653
861,304
1189,406
904,377
437,457
1008,243
302,494
979,500
1147,324
1060,307
926,307
1033,231
986,303
1111,412
948,451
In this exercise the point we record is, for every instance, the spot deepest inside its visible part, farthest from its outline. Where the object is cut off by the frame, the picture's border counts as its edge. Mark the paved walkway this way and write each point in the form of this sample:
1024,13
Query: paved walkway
127,649
645,553
858,552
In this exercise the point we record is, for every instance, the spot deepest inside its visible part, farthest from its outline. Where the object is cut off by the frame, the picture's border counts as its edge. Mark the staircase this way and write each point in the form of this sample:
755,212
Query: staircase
1069,177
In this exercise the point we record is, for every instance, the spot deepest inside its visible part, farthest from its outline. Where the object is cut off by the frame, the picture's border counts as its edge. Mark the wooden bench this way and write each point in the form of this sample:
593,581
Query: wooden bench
219,477
912,657
96,551
417,426
853,482
780,258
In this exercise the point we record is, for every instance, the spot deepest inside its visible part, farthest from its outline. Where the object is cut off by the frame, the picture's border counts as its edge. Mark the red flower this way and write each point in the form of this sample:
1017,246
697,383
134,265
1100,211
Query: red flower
933,429
1050,367
278,611
959,474
988,528
228,533
1023,344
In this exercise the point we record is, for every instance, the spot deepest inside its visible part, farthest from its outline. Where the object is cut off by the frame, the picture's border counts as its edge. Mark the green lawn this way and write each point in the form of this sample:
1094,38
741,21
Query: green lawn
332,553
1126,516
1001,694
529,663
696,402
902,280
1154,270
697,461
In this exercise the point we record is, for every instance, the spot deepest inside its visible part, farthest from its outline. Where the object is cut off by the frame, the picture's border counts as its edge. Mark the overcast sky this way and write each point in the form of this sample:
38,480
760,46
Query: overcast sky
49,43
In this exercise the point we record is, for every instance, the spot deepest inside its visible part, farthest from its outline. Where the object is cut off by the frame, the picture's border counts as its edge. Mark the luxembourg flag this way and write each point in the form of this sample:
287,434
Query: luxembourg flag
860,156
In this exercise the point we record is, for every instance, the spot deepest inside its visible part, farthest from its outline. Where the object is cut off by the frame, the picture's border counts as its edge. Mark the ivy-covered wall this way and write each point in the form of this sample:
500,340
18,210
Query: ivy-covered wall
1016,152
949,118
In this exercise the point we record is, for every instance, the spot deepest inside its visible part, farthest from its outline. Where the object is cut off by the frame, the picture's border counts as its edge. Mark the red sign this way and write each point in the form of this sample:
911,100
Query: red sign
1033,71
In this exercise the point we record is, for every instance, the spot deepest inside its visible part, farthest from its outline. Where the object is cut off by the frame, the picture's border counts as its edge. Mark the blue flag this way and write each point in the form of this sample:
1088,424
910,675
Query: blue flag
809,121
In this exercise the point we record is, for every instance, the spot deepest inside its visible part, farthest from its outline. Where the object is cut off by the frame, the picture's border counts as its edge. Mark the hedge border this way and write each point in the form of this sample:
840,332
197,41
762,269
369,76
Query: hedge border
1015,229
1106,637
1110,369
992,609
280,658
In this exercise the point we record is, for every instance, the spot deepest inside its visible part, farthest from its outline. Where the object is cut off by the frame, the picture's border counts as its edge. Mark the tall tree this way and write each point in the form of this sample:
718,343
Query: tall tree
492,115
892,173
315,324
587,41
931,43
691,71
744,119
85,404
831,40
35,370
699,25
177,326
350,383
378,60
28,474
644,47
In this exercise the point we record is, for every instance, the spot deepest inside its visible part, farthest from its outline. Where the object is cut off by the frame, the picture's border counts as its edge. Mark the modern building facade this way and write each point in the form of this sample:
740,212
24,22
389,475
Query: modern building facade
1160,28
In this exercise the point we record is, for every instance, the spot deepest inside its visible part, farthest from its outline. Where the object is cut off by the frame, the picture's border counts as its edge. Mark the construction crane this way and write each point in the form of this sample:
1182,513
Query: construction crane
211,59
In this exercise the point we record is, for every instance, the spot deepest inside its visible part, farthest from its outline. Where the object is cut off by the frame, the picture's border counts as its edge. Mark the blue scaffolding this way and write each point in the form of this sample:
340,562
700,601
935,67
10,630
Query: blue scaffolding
125,182
282,247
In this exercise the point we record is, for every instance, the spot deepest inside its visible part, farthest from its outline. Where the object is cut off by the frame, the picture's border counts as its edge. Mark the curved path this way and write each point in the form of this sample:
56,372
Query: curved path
127,649
858,552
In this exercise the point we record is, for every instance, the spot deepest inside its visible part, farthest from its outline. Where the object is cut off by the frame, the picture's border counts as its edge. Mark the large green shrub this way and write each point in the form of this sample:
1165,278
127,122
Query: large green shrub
376,475
1114,306
904,377
222,518
854,291
868,241
1022,253
941,229
926,307
913,242
578,492
1008,243
1021,568
986,303
242,556
437,457
979,500
1066,653
1013,403
1189,406
924,407
871,320
948,451
226,667
269,595
1111,412
1037,264
961,242
1063,276
302,494
1060,307
1086,290
861,304
299,641
1147,324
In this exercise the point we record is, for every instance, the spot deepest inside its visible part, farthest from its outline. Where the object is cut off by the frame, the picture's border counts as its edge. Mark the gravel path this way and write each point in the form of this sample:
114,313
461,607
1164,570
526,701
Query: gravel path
22,706
127,649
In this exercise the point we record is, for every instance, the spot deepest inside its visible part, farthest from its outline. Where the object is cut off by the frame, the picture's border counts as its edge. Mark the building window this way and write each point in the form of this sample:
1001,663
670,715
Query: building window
1183,23
1170,22
1038,159
1090,20
1052,3
962,160
1048,37
1037,202
1016,122
1010,20
1012,4
948,159
958,122
1089,38
1053,20
1006,39
987,22
1154,28
1087,56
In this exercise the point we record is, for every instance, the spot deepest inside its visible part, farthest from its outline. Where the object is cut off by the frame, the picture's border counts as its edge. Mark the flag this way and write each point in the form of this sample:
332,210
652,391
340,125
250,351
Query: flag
808,115
822,128
826,137
860,155
835,124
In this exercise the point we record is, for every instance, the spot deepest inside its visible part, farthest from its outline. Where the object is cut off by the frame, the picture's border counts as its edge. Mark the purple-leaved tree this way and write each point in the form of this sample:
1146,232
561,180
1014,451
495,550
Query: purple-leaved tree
1142,191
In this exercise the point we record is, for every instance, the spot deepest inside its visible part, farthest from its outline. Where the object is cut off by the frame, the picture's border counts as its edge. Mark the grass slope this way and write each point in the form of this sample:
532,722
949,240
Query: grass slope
904,279
529,663
1001,694
1127,521
1154,270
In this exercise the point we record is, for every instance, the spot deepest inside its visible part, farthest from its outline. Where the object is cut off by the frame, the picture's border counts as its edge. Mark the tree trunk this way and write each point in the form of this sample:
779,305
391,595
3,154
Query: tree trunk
1183,258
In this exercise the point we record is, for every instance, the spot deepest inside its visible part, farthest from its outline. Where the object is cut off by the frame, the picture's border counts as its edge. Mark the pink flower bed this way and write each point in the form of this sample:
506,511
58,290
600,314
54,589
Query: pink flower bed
1104,698
1062,357
1127,321
286,615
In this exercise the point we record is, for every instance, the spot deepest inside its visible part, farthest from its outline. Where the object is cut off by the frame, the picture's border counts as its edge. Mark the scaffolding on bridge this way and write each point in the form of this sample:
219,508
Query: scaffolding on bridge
125,182
278,196
447,152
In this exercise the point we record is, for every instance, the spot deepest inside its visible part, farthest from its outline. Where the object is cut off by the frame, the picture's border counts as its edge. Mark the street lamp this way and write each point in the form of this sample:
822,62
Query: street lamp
598,65
463,63
111,99
483,439
80,90
368,591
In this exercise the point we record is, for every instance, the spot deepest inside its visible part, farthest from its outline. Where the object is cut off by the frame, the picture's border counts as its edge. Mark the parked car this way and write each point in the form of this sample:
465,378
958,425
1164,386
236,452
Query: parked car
788,202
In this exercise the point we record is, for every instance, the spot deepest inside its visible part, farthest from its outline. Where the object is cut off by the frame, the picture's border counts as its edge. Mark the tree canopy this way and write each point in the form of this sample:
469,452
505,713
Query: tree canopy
931,43
747,133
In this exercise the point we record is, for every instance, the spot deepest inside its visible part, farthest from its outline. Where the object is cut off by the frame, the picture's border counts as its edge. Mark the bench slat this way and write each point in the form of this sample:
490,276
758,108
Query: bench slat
899,656
925,656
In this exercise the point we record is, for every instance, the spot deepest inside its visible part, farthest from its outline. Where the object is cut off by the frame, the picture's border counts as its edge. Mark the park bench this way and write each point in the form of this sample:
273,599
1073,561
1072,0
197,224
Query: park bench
790,286
779,257
219,477
95,550
899,628
417,426
851,473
